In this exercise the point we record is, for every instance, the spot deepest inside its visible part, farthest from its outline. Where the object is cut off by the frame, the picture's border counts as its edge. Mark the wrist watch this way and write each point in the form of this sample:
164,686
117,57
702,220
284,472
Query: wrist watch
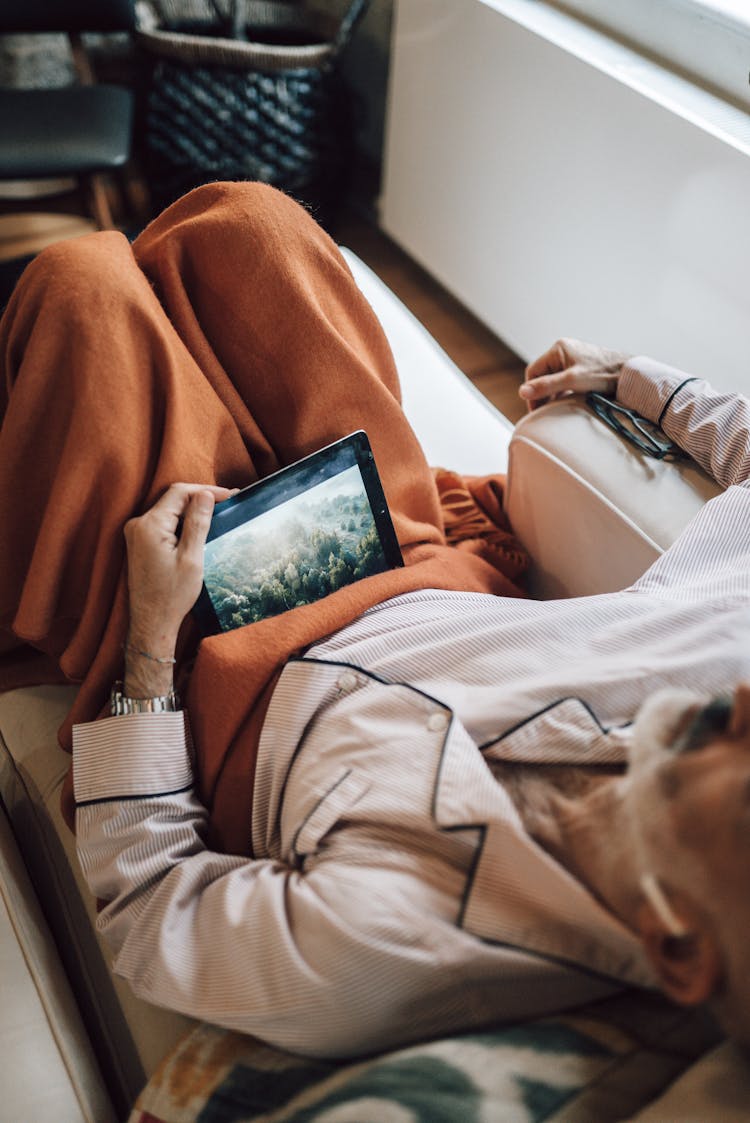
121,704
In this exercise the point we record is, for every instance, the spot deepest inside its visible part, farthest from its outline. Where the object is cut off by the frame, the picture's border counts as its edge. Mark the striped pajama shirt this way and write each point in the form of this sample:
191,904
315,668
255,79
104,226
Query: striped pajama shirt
394,893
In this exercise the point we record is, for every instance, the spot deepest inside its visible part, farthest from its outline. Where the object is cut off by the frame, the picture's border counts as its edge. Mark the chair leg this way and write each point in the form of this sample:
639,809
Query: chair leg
134,194
98,202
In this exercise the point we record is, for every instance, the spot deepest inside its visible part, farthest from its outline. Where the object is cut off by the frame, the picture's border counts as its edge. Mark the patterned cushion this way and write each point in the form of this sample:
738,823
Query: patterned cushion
598,1065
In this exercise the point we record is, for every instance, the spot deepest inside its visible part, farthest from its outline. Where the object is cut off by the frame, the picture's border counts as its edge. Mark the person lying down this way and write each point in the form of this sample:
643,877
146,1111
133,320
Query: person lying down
423,803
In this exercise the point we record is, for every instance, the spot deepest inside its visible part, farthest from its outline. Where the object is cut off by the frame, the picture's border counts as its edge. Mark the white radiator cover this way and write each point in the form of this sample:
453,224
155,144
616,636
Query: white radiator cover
558,184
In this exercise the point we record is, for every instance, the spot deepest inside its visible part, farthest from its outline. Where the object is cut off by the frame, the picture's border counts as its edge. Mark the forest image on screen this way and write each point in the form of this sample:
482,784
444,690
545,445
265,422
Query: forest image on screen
295,553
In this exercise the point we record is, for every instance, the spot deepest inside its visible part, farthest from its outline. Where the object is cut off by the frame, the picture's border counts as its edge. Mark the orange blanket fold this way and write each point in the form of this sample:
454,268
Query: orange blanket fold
229,340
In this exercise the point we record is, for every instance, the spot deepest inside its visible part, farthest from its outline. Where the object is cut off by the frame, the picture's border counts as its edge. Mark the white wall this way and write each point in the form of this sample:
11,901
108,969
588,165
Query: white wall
556,196
707,39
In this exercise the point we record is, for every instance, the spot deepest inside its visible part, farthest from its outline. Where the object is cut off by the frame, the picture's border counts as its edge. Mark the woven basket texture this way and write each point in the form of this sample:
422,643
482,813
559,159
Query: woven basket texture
272,108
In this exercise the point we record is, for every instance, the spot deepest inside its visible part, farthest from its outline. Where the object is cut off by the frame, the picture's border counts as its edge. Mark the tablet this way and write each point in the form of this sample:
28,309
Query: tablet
296,536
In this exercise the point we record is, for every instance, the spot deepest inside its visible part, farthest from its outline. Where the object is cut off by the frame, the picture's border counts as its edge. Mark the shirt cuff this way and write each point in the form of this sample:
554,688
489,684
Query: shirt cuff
645,386
131,756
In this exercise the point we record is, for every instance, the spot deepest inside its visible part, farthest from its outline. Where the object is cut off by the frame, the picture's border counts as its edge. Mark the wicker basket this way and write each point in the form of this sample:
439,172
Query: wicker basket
269,107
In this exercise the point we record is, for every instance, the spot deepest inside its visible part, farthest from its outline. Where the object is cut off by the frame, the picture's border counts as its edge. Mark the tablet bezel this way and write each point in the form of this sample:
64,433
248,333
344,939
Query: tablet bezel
270,492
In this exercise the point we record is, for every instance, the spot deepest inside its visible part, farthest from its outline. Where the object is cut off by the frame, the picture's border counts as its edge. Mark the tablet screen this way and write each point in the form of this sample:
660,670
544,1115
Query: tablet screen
297,536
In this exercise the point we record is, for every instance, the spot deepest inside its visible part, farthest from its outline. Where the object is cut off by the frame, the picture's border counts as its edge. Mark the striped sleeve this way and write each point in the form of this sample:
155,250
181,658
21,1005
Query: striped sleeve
131,755
317,961
712,426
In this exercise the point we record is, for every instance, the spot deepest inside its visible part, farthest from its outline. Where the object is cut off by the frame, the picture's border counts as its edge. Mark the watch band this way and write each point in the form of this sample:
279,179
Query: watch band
121,704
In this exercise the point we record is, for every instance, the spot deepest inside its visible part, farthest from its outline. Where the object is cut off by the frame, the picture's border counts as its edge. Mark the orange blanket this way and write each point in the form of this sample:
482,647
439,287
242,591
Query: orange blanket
229,340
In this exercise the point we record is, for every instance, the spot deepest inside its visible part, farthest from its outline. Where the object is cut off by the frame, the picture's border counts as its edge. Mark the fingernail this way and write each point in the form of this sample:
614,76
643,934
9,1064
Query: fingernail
525,391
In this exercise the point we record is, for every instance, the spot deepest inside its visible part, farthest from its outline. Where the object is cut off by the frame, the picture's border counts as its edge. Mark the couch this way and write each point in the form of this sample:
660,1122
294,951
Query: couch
76,1044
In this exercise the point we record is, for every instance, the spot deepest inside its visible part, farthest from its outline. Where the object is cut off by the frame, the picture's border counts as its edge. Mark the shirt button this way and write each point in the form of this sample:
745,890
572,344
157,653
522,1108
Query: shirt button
437,722
347,681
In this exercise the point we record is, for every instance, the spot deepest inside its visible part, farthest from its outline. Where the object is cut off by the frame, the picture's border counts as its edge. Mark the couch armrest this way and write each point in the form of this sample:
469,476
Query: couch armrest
592,510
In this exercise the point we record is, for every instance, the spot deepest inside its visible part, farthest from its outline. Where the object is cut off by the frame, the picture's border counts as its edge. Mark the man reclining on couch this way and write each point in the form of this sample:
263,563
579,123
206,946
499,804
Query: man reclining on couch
418,817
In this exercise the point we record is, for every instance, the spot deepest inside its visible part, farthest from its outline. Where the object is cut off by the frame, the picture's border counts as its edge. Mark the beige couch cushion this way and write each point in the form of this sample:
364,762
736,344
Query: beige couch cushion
716,1089
592,510
457,427
49,1071
131,1036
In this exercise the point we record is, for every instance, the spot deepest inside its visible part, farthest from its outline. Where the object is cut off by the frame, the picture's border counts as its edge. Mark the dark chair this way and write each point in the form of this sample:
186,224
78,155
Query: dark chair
75,131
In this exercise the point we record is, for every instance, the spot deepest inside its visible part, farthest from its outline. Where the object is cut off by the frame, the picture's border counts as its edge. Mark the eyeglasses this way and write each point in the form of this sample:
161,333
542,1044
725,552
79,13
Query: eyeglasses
644,434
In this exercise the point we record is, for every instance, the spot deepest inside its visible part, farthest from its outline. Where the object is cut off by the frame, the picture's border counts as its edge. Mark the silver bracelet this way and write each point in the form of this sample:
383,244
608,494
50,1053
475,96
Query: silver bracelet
147,655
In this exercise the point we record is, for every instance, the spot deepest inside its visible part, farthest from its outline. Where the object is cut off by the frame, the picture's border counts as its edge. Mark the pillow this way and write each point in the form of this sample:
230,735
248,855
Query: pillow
597,1065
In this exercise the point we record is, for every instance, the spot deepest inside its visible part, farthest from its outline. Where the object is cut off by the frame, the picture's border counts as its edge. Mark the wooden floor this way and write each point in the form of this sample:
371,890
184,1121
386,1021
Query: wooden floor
493,368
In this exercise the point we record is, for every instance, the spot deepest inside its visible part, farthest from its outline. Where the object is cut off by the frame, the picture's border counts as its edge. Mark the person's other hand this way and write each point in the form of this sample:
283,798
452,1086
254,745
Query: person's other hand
571,367
165,573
